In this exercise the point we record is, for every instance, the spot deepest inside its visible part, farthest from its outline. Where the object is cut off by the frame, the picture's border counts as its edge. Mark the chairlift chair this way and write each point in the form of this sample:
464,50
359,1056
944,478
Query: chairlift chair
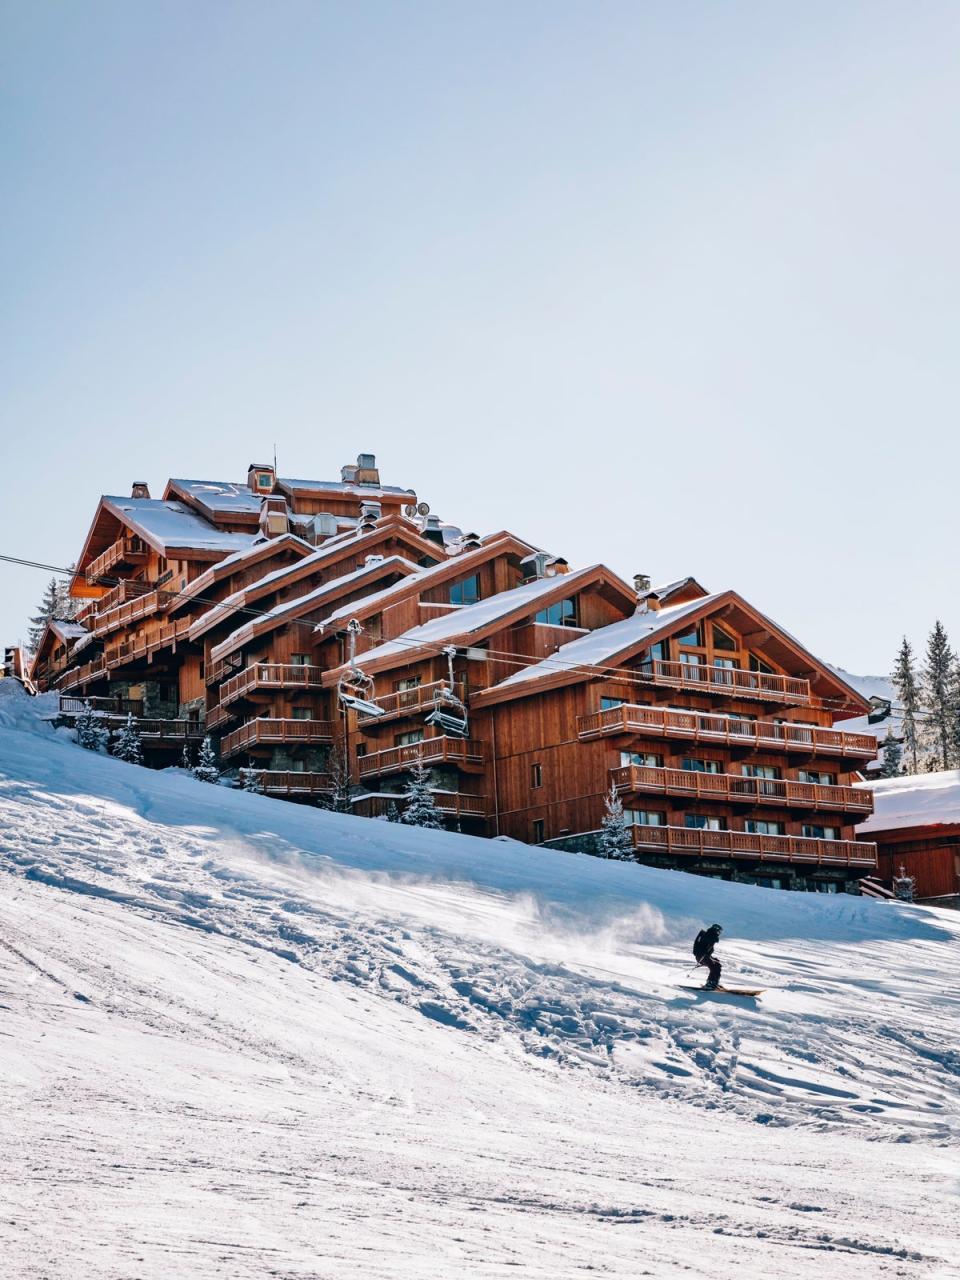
449,712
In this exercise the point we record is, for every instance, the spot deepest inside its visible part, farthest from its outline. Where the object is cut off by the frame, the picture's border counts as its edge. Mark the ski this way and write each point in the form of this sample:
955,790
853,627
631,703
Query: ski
727,991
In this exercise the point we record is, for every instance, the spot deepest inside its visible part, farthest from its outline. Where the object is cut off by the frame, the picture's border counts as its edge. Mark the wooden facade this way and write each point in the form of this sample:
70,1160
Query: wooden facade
316,628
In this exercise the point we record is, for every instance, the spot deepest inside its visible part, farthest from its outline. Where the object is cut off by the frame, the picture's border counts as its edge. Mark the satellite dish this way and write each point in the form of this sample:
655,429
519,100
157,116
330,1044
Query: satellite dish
423,508
410,509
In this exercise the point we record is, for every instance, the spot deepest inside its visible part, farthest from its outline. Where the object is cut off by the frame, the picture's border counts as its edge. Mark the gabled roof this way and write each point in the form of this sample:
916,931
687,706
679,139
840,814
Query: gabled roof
215,498
678,592
448,570
292,610
609,647
57,629
473,622
261,549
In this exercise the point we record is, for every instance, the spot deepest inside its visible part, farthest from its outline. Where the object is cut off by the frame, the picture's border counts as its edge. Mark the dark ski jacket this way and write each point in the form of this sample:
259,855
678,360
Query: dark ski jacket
704,943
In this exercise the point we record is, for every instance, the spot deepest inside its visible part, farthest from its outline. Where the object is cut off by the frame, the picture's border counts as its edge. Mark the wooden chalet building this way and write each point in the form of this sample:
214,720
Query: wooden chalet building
916,825
333,633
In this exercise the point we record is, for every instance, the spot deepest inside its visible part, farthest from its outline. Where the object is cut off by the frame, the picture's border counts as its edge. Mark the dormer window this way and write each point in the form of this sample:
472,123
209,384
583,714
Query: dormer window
264,480
466,591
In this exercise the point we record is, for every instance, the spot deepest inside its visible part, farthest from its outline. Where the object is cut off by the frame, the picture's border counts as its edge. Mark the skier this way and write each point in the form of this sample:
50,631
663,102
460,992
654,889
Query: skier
703,946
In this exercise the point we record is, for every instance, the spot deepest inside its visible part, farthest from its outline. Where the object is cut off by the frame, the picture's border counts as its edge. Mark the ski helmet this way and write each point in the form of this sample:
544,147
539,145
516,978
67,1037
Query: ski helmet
718,927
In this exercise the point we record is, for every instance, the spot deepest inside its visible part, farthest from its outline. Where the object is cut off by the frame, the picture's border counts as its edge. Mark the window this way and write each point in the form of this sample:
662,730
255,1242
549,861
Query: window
264,480
759,827
361,749
692,659
758,664
607,704
701,822
467,591
300,660
729,664
561,614
645,758
298,766
701,766
693,638
536,775
721,640
537,826
409,738
817,777
644,818
659,651
300,713
409,682
813,831
760,771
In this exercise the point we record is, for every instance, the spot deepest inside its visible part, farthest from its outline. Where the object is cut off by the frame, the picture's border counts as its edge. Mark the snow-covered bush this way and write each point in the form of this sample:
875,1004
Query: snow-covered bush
420,809
250,781
91,732
127,745
206,769
615,838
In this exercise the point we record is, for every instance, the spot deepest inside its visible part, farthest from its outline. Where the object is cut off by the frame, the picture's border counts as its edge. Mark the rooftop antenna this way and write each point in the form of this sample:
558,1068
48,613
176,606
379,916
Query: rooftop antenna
274,457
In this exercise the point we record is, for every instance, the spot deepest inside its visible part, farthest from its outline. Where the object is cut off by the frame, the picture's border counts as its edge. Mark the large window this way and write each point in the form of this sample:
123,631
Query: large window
723,640
818,777
702,822
408,739
696,765
467,591
660,651
760,827
644,818
693,639
760,771
645,758
758,664
561,614
814,831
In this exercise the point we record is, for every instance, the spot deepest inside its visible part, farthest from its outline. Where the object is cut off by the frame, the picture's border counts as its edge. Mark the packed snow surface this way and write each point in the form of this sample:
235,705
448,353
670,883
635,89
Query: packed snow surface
242,1038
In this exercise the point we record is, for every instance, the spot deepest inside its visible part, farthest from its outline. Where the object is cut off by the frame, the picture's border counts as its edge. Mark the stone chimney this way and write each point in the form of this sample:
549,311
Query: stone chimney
140,489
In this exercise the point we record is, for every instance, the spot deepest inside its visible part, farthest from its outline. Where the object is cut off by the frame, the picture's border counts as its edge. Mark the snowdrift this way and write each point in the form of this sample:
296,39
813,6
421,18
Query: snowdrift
243,1036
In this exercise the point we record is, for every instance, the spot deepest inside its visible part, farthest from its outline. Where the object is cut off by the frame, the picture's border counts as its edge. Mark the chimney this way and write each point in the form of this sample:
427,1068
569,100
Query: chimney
274,519
431,530
140,489
366,470
641,583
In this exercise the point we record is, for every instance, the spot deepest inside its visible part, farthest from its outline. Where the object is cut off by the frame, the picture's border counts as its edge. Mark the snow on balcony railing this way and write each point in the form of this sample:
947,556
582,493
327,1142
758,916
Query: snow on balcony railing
266,730
712,679
763,848
270,675
457,751
736,787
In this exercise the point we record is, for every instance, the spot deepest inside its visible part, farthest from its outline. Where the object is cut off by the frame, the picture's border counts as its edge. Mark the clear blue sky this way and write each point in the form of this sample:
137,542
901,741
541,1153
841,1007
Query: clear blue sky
669,285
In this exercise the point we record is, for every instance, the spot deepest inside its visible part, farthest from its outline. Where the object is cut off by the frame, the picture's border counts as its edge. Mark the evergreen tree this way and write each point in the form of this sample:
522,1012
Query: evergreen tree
91,732
206,769
250,781
908,694
185,761
615,838
939,686
892,755
66,604
46,610
393,813
339,772
420,809
127,746
904,886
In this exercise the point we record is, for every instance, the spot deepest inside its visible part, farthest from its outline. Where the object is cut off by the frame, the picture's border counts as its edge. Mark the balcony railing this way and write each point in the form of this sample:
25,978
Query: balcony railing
270,675
404,702
122,593
218,716
265,731
701,726
277,783
80,675
110,706
742,844
729,680
456,751
453,804
123,614
738,789
129,550
217,671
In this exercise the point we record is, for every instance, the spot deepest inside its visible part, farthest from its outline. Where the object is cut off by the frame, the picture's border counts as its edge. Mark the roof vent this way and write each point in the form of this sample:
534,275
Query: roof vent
641,582
140,489
372,560
535,566
274,519
370,510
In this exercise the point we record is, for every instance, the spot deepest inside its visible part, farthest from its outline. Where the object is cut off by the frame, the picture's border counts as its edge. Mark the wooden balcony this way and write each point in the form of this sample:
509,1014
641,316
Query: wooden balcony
407,702
719,730
127,551
268,732
737,789
116,706
122,593
454,804
153,732
267,676
756,848
77,676
701,678
121,615
459,752
217,717
226,667
277,783
167,636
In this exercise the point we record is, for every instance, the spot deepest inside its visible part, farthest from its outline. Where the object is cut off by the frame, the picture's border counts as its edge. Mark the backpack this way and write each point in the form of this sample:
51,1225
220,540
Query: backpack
699,944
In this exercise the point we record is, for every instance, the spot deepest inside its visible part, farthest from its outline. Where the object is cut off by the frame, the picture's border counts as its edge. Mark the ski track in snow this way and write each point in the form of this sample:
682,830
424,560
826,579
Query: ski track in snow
245,1038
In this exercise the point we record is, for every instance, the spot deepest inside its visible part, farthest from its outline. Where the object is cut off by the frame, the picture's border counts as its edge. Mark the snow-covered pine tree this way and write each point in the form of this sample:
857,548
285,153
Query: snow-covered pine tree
91,732
67,605
339,772
127,745
206,769
46,610
892,756
615,838
250,781
908,693
939,687
393,813
904,886
420,809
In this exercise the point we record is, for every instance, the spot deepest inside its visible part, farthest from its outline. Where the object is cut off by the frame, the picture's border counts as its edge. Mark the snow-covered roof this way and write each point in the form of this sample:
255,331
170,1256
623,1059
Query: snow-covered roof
598,648
475,617
259,547
289,609
223,496
167,524
351,488
921,800
67,630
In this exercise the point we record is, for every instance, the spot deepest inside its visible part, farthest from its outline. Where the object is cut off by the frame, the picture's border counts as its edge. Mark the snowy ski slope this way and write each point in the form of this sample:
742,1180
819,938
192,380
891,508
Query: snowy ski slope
242,1038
